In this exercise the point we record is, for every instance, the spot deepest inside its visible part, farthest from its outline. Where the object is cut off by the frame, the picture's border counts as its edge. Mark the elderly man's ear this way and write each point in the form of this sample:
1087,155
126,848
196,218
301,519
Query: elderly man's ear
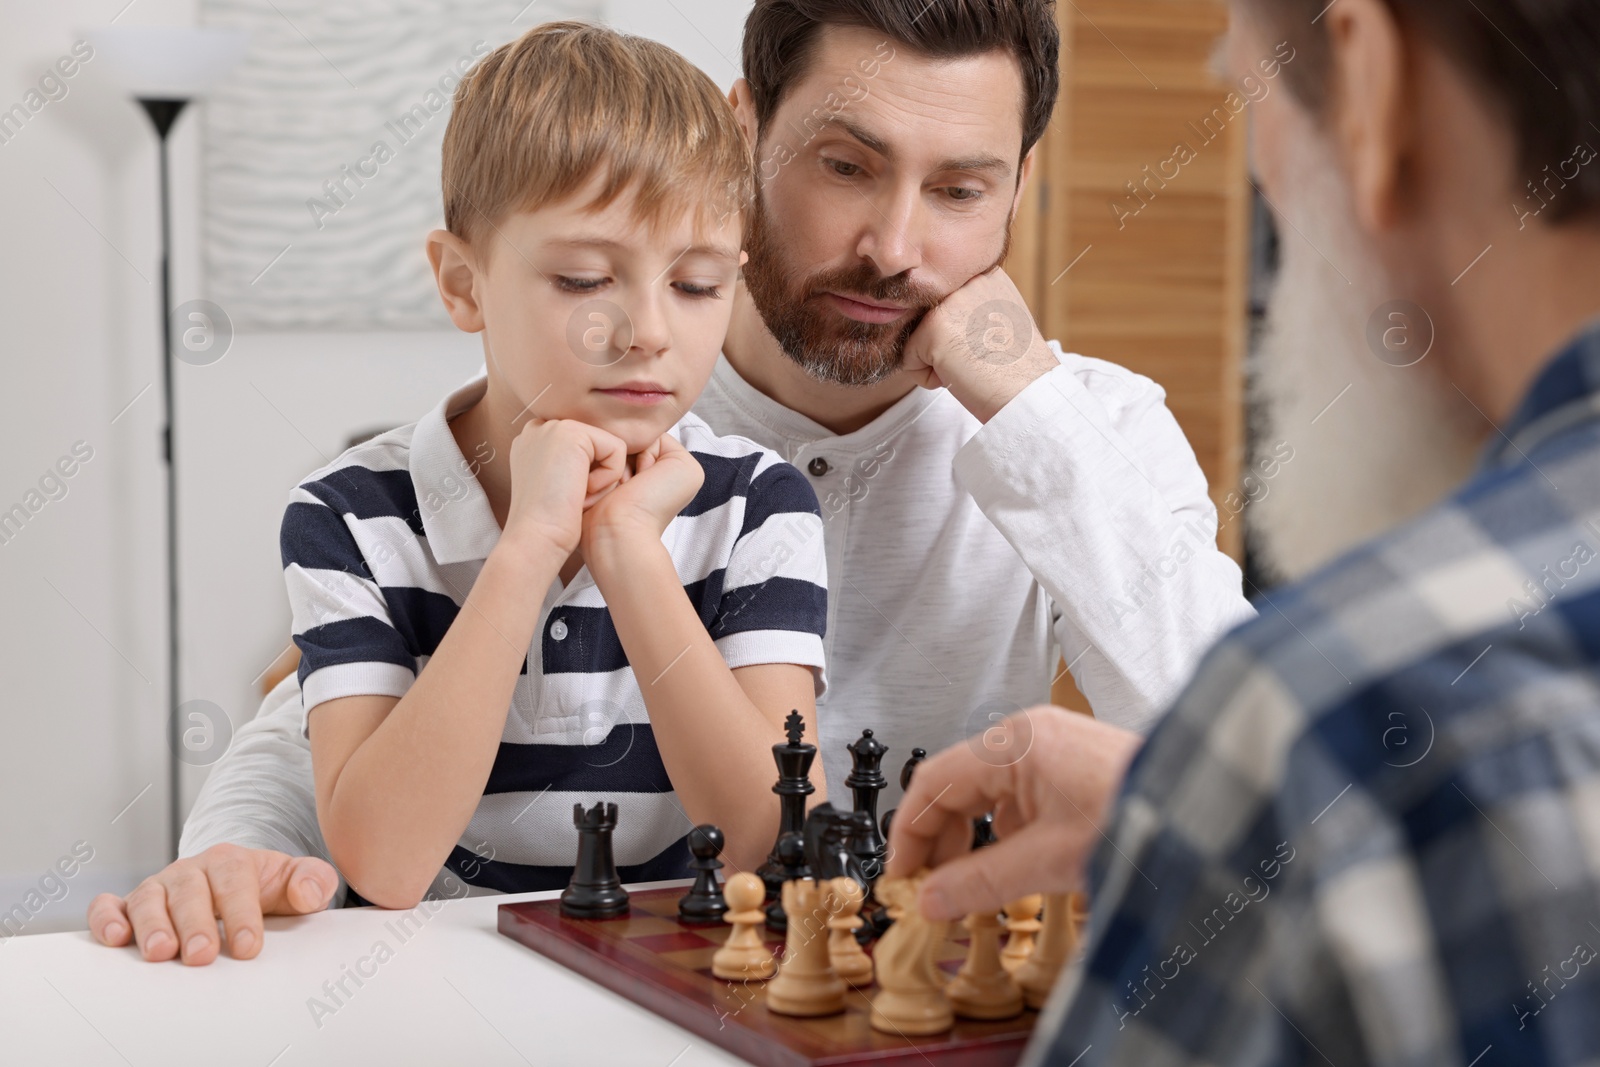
1369,85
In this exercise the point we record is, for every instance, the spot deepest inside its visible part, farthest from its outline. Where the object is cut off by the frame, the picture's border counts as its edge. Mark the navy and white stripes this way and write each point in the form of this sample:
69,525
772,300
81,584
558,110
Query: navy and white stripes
381,548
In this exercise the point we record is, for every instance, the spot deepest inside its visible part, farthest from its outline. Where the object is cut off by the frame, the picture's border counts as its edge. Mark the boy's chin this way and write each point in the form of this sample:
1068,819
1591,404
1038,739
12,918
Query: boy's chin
637,433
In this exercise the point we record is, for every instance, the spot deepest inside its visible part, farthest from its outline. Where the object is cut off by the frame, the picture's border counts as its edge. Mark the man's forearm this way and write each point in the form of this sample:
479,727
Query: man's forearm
260,794
1107,506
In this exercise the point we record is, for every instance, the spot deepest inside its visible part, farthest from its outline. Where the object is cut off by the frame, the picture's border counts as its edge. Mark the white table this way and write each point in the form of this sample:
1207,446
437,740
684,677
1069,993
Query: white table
449,990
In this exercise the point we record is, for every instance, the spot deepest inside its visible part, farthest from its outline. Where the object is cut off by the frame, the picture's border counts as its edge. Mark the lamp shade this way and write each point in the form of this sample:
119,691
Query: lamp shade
168,62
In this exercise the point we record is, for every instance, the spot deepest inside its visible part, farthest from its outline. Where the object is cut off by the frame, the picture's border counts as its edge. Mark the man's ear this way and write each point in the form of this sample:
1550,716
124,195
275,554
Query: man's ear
1023,175
1369,112
455,272
744,110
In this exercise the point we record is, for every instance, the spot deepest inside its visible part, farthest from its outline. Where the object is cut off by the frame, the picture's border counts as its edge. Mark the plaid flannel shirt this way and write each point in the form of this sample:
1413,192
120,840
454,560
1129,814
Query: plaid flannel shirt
1369,830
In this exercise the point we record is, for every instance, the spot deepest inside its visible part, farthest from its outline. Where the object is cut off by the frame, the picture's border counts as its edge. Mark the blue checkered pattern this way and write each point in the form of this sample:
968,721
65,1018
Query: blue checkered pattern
1369,831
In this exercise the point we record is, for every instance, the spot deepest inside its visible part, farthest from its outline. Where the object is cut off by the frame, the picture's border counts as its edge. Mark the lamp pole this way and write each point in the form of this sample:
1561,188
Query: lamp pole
163,113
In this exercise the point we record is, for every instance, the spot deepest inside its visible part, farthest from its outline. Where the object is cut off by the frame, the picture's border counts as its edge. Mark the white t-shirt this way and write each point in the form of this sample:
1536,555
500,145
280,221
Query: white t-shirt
962,559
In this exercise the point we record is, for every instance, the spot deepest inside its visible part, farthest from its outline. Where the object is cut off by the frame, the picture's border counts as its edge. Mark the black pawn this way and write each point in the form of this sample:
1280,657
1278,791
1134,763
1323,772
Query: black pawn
917,756
595,891
791,852
878,922
703,903
983,834
866,781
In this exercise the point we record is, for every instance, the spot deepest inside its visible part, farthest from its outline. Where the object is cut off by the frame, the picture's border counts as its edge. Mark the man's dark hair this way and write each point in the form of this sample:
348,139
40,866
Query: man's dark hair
779,37
1539,60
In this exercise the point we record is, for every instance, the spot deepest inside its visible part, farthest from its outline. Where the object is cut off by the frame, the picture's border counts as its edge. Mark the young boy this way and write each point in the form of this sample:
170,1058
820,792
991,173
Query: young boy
559,586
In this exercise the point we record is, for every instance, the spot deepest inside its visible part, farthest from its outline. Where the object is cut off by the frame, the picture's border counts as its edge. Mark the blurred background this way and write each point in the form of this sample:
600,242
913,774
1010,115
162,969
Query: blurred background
320,325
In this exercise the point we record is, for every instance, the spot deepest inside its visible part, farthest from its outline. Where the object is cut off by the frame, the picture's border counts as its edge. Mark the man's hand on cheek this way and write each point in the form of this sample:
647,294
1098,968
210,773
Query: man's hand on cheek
982,344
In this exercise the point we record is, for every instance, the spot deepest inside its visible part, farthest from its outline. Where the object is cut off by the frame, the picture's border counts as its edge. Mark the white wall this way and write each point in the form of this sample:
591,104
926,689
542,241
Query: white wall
82,638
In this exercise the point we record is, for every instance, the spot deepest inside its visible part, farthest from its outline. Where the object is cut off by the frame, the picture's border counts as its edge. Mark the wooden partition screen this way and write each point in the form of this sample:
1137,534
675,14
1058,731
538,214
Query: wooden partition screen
1132,241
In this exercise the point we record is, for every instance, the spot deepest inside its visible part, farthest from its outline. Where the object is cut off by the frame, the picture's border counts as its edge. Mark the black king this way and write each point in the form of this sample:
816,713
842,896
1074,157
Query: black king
794,758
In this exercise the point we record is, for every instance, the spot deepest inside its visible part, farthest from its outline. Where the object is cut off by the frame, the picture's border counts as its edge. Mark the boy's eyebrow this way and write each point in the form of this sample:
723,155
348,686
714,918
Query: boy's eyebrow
604,245
978,163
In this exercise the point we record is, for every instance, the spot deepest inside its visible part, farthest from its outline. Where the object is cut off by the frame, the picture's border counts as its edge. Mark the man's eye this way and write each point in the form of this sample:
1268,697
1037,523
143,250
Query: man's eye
578,285
962,194
843,169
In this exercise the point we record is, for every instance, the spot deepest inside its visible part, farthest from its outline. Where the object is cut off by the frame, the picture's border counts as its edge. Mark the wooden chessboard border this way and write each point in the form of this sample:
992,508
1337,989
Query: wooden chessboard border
719,1012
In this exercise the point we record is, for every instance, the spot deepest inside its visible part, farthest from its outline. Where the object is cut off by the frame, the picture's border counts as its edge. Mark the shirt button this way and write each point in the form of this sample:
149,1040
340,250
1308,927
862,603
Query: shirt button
558,630
818,467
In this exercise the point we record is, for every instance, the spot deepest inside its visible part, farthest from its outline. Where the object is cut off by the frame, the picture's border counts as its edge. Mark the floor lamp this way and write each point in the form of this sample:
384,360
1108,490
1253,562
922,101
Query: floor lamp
164,68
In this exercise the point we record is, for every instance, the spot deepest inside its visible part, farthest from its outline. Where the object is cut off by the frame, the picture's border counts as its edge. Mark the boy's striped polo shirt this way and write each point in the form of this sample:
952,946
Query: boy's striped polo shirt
381,547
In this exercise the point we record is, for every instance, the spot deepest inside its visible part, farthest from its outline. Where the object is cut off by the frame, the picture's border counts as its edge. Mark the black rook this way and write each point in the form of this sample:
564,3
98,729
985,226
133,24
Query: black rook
595,891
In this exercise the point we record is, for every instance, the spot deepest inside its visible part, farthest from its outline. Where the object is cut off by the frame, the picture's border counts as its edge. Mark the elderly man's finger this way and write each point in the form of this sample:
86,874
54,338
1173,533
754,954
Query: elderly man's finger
236,897
953,787
108,920
1034,860
152,925
193,918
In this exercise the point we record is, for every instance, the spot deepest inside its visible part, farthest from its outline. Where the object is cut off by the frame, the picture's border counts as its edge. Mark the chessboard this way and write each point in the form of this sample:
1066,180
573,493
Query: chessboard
656,961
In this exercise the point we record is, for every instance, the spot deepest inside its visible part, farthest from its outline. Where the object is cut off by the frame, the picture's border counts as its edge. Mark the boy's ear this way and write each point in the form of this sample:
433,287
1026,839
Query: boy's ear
744,110
455,274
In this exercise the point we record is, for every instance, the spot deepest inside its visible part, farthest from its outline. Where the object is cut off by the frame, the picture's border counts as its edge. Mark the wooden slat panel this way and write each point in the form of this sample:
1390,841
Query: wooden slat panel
1162,287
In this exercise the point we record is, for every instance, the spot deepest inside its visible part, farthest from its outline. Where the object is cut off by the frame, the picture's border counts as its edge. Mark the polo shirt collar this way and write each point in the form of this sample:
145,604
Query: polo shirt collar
456,517
800,430
1565,393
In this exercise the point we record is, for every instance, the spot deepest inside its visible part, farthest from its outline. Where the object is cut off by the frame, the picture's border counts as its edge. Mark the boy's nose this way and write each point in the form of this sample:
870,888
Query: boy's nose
651,335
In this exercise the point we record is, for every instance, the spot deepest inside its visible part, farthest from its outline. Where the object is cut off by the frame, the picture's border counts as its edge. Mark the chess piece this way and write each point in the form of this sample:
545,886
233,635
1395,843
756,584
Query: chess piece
794,758
982,989
827,837
1022,919
843,898
1056,942
917,756
595,891
911,999
744,955
703,903
805,985
791,852
983,834
866,781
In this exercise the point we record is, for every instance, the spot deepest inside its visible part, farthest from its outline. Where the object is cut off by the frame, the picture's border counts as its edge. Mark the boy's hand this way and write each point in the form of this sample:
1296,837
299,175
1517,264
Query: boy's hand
558,468
666,477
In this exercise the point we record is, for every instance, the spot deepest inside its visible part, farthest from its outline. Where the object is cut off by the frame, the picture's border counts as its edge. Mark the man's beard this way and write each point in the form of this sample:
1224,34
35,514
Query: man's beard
1391,446
829,347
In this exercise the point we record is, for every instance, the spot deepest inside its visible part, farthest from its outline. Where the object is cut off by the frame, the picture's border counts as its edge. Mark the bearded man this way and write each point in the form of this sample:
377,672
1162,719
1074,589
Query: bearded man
1368,831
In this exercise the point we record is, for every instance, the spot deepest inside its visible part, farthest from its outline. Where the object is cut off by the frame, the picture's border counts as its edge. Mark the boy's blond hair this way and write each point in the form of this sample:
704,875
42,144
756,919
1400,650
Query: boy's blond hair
540,116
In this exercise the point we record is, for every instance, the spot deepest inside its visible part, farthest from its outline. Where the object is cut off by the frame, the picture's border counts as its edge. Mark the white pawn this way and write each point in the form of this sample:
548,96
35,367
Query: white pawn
744,955
843,899
1056,942
982,989
1022,919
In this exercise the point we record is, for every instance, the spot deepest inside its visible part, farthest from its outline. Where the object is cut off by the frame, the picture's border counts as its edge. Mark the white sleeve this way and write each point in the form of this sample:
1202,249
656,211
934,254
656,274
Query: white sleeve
261,794
1088,476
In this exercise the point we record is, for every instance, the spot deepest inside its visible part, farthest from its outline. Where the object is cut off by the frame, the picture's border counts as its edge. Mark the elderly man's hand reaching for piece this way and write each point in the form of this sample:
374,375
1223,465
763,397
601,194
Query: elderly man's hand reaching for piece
175,911
1048,775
